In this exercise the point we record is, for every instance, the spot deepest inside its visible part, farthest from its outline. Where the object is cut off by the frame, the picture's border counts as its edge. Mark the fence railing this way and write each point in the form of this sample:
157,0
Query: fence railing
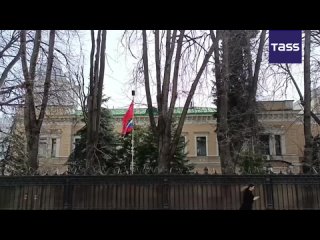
194,192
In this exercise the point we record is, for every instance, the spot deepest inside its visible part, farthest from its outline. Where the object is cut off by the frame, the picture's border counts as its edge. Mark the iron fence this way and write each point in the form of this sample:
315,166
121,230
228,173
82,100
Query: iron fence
146,192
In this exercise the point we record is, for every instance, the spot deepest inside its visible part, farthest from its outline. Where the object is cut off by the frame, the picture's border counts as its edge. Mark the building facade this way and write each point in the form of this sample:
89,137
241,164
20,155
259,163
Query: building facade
282,139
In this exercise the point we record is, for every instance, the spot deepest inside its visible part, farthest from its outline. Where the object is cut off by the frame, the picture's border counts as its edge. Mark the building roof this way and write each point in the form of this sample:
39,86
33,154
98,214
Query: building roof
280,105
116,112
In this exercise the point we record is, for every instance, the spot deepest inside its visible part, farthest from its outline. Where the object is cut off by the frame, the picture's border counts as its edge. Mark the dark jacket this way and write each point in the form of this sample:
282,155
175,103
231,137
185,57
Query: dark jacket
247,201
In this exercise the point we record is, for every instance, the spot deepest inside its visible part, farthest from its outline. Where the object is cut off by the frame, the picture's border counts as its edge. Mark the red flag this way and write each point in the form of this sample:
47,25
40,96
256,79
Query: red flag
127,121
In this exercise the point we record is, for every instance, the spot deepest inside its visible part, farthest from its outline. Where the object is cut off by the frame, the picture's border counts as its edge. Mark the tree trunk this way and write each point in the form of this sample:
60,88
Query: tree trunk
252,105
222,126
307,101
33,124
94,100
147,82
164,158
222,85
32,149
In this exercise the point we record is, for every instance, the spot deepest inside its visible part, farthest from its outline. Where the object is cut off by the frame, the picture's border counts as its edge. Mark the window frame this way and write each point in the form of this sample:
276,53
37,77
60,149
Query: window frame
54,153
196,145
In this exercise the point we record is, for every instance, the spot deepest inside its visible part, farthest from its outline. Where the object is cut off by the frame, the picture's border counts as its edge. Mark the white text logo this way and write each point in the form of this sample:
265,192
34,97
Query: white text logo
285,47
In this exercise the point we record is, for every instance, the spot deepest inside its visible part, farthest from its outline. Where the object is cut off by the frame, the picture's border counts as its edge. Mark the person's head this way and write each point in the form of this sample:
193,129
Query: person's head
251,187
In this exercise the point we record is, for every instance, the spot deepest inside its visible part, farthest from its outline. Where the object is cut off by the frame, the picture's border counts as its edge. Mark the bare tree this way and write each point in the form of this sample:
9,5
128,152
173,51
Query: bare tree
306,99
9,52
292,78
11,86
97,67
310,70
14,87
32,123
177,43
80,89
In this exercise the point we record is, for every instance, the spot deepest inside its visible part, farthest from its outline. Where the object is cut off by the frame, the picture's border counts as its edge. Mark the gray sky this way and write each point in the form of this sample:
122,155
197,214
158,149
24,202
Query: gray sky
119,74
117,71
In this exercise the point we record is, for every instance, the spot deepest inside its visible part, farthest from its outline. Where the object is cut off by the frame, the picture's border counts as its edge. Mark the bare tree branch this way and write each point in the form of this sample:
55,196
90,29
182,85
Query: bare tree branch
47,82
167,70
7,103
175,75
4,75
188,100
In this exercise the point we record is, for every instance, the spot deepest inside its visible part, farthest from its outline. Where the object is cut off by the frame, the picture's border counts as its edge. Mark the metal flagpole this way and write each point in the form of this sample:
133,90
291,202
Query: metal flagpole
132,140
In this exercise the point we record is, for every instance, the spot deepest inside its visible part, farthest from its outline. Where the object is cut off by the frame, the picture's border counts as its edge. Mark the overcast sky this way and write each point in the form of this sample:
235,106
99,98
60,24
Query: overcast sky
119,74
117,71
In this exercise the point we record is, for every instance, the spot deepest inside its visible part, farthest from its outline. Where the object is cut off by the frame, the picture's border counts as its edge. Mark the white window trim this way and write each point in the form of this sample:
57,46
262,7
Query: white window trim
283,144
272,142
57,147
49,138
57,155
195,143
217,147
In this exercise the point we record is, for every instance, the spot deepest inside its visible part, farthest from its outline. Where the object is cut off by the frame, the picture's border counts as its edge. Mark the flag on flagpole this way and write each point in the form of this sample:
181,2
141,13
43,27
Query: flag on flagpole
127,121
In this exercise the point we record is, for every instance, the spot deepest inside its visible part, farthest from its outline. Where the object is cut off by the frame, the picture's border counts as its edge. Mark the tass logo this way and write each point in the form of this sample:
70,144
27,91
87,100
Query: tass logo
285,46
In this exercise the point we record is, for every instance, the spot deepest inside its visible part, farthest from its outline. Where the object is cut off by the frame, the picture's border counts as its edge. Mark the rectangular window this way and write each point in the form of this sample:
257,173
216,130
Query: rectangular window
201,146
278,144
53,147
264,145
42,147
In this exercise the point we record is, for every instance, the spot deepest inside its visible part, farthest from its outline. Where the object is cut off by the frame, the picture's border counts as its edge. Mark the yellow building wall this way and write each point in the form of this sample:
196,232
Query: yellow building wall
291,130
